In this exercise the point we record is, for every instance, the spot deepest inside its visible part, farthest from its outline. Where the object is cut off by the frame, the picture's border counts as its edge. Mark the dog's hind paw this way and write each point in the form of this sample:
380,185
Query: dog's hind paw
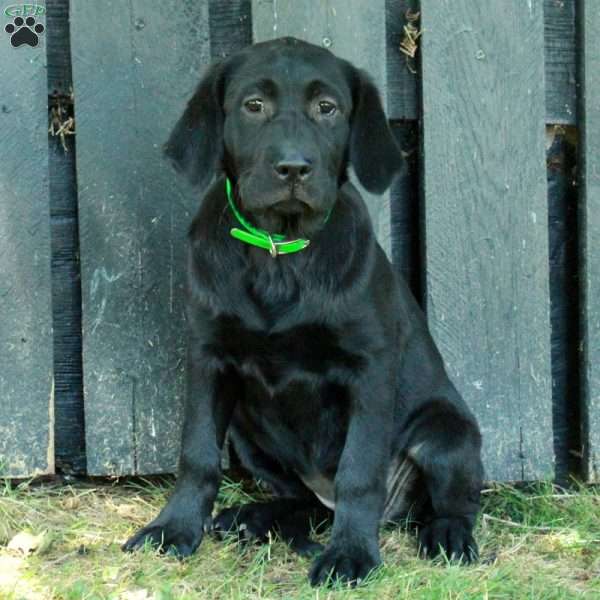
344,564
247,521
451,536
253,522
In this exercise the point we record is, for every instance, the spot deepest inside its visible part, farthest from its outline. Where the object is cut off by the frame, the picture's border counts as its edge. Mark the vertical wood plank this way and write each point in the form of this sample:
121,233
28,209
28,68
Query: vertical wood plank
564,302
69,429
26,384
486,221
589,184
352,29
131,83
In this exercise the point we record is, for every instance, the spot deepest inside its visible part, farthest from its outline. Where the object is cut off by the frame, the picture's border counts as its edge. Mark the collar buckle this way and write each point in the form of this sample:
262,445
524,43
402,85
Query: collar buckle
273,248
262,239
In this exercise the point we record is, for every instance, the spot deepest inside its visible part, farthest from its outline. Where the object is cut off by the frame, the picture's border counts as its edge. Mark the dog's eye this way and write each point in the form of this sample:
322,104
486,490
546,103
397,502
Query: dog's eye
255,105
327,108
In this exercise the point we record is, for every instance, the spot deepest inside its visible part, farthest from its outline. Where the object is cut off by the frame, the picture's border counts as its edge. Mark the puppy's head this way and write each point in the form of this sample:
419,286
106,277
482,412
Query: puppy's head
284,119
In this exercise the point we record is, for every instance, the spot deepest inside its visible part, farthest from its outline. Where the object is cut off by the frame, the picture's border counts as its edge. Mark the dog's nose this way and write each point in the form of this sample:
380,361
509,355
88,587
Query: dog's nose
290,170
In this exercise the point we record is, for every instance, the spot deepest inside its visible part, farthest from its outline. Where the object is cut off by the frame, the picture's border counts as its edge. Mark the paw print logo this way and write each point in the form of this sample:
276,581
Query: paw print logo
24,31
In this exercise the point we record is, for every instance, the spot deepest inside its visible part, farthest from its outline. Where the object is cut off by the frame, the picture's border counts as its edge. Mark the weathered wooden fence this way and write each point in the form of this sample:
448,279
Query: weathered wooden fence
498,115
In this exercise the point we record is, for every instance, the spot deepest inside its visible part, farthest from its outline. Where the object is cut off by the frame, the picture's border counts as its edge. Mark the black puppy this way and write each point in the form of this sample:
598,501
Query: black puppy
303,343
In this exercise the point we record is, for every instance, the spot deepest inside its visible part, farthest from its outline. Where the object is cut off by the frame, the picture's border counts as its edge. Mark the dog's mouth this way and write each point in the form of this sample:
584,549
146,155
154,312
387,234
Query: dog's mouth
289,217
294,211
292,207
292,199
291,213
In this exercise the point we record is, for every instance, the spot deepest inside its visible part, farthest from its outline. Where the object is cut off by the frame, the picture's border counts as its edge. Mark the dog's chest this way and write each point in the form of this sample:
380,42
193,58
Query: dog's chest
277,357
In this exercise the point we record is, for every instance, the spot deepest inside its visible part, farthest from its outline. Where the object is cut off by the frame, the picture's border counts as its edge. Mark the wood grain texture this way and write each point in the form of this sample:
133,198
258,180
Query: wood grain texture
69,427
230,26
132,82
58,46
352,29
589,185
486,222
560,63
26,390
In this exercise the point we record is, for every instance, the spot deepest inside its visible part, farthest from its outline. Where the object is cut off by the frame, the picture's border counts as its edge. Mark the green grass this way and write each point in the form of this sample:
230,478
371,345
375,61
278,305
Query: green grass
536,543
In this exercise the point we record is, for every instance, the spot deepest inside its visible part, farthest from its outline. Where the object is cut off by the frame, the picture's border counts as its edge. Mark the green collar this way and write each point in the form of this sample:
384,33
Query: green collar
275,243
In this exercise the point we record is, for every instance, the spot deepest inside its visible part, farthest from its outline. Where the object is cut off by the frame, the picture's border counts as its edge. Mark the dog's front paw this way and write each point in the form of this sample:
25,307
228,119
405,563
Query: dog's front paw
172,536
450,535
343,563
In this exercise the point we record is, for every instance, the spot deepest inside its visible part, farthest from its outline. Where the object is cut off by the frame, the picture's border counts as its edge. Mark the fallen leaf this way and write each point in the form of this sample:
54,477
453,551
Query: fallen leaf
71,503
126,510
27,543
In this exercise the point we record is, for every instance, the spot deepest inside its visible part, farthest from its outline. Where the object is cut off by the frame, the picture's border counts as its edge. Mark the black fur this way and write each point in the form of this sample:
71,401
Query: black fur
319,363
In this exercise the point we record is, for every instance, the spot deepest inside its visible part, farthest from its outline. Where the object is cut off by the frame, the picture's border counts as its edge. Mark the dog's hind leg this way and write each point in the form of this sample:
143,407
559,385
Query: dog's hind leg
295,528
445,445
291,518
405,492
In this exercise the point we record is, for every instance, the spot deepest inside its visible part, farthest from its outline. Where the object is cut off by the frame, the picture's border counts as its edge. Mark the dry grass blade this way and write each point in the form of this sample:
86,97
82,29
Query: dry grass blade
410,37
486,518
62,123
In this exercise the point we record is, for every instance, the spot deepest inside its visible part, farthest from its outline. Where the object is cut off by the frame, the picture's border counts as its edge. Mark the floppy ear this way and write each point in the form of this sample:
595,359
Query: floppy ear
195,146
374,153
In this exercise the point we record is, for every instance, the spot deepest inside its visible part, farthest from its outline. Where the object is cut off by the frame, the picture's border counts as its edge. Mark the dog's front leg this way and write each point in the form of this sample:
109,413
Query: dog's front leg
360,483
210,398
